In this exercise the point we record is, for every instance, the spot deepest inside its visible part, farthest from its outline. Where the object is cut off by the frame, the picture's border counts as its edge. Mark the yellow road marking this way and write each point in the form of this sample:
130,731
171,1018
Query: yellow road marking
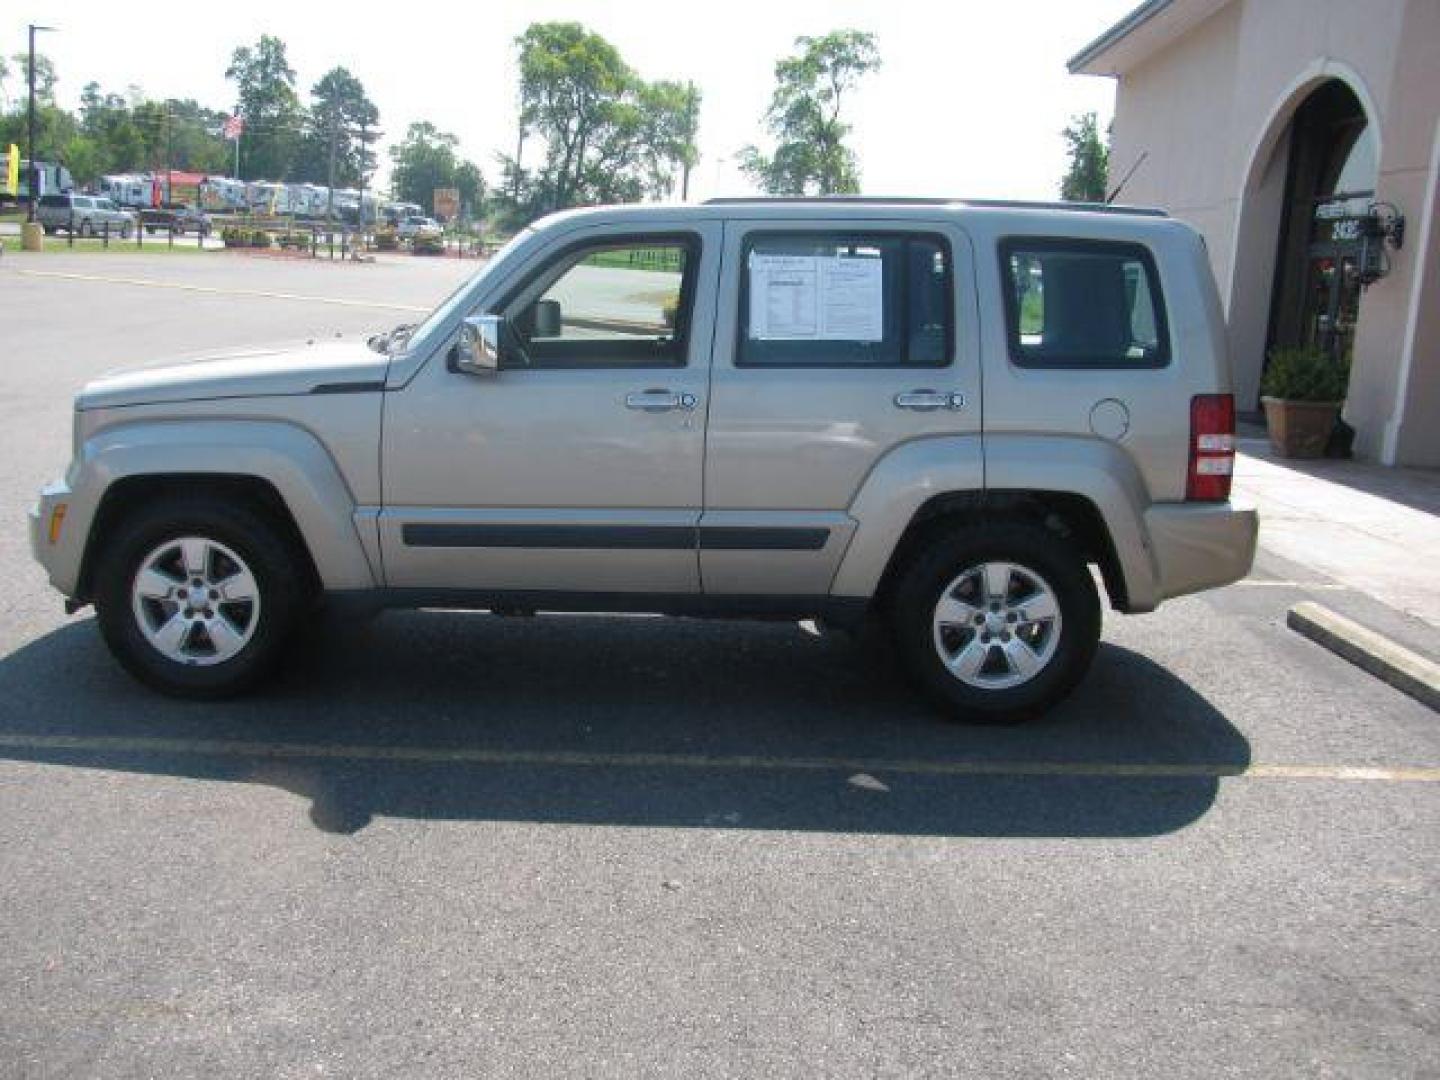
216,291
578,759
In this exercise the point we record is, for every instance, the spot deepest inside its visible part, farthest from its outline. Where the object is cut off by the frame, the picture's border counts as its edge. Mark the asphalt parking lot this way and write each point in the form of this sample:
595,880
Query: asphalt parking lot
617,846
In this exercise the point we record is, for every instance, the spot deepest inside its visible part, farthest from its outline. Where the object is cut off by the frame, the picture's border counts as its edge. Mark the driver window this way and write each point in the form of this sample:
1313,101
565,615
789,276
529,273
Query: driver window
620,304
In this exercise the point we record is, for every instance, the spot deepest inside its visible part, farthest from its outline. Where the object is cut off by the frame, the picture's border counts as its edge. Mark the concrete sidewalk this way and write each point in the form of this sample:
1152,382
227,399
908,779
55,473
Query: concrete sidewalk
1353,529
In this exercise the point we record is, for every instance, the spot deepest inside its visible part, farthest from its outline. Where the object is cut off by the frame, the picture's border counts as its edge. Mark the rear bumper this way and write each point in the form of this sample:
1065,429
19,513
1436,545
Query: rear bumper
1200,545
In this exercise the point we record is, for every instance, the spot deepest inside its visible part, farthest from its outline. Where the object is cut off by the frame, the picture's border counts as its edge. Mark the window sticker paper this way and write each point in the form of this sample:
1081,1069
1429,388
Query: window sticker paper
816,298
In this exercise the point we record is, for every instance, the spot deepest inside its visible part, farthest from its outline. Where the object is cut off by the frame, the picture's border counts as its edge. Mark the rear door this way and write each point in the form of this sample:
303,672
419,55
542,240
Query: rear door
837,341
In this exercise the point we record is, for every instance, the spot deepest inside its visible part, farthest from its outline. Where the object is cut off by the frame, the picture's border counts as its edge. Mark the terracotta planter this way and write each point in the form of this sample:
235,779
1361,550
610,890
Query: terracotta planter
1299,429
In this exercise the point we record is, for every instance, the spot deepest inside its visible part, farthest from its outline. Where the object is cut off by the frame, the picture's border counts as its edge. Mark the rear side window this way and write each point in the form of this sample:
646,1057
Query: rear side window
1083,304
846,300
54,200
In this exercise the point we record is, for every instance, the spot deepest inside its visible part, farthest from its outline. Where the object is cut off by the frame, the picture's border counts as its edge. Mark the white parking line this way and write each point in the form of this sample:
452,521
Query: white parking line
258,293
574,759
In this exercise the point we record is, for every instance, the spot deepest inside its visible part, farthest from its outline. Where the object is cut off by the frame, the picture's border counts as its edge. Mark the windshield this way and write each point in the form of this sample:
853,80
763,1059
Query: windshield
419,338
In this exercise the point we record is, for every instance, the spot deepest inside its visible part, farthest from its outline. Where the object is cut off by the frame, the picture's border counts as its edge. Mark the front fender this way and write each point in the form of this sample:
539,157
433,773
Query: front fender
286,456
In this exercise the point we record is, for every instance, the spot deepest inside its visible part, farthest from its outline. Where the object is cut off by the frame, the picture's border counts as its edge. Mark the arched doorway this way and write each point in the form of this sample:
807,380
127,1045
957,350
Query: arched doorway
1330,180
1325,117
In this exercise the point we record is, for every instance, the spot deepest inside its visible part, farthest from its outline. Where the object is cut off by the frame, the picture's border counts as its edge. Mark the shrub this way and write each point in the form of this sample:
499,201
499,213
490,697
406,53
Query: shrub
259,238
428,244
233,236
386,239
1305,373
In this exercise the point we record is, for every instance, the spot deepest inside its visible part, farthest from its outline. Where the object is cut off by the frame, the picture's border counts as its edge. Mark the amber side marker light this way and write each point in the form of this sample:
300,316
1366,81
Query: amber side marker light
57,520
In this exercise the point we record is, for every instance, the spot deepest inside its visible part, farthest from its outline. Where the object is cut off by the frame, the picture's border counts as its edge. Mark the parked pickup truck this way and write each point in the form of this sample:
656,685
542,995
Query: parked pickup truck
176,219
931,416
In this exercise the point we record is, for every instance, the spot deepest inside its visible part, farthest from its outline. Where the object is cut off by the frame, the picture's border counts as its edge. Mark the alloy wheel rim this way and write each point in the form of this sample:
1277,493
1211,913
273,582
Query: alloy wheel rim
196,601
996,625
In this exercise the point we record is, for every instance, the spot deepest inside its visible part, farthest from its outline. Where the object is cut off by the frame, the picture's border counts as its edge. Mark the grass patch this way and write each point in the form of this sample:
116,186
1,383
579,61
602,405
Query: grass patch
668,260
58,245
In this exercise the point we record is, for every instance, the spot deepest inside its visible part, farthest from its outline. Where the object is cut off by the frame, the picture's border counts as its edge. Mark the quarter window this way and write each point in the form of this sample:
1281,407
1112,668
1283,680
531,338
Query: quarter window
618,304
1083,304
851,300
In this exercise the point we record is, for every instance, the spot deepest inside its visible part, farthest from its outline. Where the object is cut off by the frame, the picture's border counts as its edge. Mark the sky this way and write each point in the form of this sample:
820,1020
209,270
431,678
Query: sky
970,100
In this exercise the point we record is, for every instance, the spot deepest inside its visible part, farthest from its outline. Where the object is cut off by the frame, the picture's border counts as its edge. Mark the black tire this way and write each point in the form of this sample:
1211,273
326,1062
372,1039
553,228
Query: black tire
946,556
278,570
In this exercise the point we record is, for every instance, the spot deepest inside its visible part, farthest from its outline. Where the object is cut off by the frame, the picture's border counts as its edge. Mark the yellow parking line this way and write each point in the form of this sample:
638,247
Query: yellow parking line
213,290
577,759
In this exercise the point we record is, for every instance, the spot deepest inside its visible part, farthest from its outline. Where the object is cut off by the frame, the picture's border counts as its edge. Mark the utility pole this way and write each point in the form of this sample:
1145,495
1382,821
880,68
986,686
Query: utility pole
30,125
519,150
169,156
690,120
364,140
330,206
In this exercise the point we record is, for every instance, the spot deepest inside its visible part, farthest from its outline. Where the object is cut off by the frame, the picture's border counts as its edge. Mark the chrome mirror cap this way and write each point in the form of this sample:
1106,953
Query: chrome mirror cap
478,350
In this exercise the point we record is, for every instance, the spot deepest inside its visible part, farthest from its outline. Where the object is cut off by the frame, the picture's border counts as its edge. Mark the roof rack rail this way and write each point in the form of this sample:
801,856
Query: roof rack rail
912,200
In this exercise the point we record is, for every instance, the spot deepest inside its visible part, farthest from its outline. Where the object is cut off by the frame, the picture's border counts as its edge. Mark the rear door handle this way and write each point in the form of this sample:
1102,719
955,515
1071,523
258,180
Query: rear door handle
659,401
929,400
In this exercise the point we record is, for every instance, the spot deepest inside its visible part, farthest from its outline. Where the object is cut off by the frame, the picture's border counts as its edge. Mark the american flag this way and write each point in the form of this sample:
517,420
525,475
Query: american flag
234,125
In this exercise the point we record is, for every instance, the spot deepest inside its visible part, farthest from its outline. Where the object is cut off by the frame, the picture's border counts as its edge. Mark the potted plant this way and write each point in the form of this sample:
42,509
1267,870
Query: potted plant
1302,391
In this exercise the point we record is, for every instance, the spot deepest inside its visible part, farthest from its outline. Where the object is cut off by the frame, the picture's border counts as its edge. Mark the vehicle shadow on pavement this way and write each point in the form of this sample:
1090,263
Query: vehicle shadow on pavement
607,720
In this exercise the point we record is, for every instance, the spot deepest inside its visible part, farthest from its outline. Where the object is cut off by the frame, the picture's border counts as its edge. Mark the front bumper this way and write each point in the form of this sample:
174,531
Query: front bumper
1201,545
61,559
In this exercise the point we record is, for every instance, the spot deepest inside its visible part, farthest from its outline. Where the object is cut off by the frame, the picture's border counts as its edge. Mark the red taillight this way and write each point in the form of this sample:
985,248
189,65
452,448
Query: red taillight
1212,447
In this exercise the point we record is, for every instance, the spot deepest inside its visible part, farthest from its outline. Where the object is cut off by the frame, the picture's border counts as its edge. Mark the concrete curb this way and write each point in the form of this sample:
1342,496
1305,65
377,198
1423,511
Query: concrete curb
1408,672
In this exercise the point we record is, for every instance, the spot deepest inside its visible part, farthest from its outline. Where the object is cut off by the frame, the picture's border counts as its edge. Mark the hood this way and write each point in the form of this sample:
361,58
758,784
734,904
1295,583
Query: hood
333,367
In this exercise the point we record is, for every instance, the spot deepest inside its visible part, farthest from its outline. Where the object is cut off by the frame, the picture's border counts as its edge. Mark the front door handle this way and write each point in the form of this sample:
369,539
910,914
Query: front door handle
659,401
929,400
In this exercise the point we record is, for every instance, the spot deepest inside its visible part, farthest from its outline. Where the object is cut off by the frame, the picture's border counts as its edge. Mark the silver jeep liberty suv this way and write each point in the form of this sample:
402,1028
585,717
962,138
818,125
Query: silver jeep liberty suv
935,415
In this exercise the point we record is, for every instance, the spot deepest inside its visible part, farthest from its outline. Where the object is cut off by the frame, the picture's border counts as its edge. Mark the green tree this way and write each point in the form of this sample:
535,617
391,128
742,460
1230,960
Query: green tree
426,160
266,86
1084,180
339,105
810,156
471,183
609,136
45,78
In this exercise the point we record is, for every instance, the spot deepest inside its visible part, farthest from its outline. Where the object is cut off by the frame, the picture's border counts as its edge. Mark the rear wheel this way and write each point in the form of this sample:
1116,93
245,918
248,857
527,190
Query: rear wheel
997,623
196,597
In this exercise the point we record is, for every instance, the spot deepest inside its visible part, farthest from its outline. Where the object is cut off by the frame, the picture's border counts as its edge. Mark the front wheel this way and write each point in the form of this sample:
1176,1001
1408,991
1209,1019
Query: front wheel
997,623
196,597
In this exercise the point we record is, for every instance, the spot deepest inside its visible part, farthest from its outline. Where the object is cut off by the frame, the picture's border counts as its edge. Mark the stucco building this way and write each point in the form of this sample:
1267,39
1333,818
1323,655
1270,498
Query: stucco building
1293,134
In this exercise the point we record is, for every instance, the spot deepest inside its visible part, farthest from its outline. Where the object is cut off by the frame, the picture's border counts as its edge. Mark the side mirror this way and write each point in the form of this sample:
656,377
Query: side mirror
478,350
548,323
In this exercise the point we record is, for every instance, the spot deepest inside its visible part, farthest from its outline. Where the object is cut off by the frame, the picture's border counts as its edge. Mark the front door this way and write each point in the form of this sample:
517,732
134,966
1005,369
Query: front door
578,467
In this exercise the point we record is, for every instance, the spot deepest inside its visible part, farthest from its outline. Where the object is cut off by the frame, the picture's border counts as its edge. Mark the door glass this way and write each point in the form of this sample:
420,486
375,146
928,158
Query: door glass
616,305
845,300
